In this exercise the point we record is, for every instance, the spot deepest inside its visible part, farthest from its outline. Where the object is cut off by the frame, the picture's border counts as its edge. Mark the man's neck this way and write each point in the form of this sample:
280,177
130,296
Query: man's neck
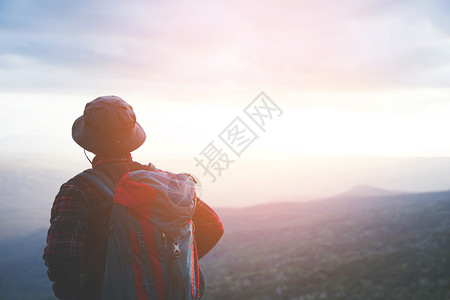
104,158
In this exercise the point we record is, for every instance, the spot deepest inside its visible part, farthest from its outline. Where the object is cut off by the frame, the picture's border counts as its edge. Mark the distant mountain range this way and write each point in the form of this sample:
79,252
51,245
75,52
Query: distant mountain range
26,196
368,191
27,192
375,247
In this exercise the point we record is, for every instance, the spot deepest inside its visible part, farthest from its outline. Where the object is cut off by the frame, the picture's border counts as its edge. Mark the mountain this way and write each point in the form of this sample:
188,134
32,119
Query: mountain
23,273
26,196
386,247
368,191
378,247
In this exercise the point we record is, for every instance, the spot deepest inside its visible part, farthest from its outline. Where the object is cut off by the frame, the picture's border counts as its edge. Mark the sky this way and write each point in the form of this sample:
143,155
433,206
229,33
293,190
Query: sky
355,82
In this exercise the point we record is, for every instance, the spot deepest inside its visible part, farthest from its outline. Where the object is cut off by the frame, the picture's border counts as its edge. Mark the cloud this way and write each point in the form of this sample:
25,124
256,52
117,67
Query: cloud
60,45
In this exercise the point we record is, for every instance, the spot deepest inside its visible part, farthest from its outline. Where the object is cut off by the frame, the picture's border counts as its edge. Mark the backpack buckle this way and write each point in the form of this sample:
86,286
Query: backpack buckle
176,249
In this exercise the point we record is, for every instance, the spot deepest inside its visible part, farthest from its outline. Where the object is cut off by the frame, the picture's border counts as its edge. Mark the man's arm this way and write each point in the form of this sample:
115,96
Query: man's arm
65,239
208,228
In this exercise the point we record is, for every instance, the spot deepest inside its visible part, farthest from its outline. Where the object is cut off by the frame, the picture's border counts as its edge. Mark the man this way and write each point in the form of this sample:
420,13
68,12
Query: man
76,243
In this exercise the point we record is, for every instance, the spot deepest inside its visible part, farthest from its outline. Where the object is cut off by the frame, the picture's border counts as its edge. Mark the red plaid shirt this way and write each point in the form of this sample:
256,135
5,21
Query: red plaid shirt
76,241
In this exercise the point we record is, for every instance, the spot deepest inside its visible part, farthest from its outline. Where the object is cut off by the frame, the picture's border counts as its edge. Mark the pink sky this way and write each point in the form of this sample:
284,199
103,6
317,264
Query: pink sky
354,78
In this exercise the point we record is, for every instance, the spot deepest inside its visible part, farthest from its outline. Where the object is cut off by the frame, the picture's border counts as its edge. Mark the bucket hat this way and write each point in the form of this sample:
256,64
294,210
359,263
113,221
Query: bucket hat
108,124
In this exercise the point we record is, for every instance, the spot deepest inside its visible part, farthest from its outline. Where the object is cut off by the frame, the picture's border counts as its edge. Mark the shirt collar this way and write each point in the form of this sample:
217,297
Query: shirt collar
110,158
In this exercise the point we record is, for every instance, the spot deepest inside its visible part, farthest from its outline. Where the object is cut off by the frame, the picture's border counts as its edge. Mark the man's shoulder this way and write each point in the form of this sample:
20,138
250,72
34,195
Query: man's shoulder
76,184
80,183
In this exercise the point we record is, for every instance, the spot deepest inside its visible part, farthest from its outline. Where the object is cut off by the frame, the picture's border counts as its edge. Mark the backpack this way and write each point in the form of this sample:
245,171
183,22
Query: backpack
151,249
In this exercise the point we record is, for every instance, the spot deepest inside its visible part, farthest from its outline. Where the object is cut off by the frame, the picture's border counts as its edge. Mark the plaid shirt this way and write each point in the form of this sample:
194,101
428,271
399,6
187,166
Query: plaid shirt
76,241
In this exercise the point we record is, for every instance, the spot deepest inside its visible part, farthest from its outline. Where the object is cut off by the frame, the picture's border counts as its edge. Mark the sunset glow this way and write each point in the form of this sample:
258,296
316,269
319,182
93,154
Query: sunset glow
354,78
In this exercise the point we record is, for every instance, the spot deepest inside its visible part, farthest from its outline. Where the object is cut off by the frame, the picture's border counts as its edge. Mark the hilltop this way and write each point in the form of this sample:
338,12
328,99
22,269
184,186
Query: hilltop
368,191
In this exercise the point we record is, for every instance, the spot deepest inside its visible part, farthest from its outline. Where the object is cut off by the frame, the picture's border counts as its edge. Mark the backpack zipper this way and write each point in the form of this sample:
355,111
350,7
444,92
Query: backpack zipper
164,236
144,274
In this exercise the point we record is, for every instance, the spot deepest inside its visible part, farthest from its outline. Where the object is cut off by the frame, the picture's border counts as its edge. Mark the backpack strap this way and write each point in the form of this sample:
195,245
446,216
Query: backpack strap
107,188
101,181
